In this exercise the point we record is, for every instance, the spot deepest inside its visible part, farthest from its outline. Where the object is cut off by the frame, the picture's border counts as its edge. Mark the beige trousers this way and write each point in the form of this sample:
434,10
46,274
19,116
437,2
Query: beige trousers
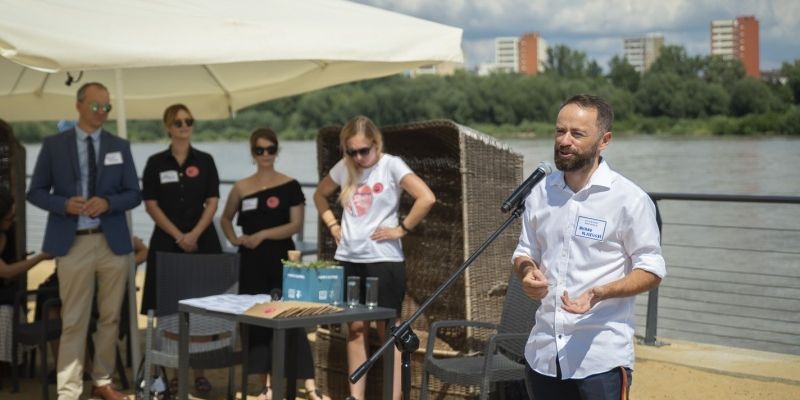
89,260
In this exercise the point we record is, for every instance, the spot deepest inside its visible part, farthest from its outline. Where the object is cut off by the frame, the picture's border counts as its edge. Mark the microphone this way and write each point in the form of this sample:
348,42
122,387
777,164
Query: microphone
518,196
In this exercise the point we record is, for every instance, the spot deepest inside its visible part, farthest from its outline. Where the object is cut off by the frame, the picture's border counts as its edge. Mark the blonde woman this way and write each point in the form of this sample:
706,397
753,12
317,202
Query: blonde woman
368,236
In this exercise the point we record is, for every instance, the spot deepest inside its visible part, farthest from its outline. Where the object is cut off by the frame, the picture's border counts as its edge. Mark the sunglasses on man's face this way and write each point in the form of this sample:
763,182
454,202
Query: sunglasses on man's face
271,150
363,152
95,107
179,123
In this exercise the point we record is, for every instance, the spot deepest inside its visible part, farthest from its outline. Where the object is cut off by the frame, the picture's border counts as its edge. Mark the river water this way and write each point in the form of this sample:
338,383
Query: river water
720,166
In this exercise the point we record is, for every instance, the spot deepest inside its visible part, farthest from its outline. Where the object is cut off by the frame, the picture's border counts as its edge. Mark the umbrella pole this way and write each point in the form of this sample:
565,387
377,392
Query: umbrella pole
122,131
122,123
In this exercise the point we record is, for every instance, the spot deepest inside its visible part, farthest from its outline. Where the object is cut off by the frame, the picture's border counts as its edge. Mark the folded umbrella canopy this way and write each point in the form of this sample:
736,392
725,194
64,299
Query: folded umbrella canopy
215,56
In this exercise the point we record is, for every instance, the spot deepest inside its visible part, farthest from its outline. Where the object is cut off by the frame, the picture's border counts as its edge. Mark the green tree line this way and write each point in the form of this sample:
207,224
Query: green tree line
679,95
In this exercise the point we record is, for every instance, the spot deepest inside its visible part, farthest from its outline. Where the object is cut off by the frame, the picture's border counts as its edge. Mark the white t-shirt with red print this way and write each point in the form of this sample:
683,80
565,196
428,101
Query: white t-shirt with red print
374,204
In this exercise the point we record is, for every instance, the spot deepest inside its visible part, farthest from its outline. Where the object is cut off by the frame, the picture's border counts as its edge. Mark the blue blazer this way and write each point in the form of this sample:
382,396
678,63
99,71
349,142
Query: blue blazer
56,178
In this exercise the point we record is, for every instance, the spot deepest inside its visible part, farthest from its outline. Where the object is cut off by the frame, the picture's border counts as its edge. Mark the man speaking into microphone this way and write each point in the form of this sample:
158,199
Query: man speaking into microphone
589,244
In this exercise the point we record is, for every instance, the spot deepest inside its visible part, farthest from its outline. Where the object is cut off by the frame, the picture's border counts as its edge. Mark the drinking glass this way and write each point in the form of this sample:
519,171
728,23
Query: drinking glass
353,291
372,292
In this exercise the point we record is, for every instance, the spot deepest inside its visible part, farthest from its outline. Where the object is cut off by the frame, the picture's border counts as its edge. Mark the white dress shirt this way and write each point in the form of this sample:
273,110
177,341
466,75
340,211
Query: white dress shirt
579,241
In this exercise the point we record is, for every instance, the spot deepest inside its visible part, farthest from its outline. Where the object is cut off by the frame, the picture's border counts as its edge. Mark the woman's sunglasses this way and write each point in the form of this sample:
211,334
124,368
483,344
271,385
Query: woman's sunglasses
363,152
179,123
271,150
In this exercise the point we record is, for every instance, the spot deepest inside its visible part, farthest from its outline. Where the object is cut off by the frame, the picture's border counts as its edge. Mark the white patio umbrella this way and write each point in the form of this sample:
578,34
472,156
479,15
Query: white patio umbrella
214,56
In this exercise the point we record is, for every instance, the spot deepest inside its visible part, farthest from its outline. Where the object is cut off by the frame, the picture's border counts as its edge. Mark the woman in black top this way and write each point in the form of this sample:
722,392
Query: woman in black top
270,208
180,188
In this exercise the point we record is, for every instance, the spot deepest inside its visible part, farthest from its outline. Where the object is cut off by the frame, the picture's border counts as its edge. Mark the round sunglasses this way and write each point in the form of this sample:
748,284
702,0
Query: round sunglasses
95,107
259,151
363,152
179,123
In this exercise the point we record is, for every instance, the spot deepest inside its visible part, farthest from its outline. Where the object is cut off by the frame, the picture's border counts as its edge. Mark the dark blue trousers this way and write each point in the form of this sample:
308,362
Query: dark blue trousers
603,386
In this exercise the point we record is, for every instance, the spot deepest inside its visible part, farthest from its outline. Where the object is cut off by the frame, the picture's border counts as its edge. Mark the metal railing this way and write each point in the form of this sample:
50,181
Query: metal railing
651,315
735,244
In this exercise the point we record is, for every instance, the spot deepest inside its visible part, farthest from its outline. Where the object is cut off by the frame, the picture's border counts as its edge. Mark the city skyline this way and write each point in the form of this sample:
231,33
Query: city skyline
599,27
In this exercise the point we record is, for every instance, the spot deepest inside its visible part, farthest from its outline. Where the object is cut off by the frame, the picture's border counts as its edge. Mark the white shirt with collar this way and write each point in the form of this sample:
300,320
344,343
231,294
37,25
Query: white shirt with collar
582,240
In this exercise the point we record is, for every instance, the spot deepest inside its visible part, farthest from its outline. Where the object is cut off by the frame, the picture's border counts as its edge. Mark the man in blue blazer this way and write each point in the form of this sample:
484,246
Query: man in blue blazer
86,180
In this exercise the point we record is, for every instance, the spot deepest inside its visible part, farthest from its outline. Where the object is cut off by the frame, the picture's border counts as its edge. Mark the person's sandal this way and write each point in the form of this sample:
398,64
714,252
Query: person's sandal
316,394
202,385
265,394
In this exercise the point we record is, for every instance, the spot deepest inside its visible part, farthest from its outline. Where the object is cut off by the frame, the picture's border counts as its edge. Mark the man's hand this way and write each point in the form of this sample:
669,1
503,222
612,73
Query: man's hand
75,205
534,283
582,303
94,207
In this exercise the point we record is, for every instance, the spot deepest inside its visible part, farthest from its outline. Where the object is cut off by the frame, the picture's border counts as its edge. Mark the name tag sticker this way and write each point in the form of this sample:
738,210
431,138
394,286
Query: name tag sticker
170,176
249,204
590,228
113,158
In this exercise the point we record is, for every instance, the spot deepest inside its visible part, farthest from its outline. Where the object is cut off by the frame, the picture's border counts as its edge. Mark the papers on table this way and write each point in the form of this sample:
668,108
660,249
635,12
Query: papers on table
288,309
259,305
228,303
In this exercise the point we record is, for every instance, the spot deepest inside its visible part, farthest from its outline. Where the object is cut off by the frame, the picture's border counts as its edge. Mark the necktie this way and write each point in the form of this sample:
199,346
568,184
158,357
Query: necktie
92,160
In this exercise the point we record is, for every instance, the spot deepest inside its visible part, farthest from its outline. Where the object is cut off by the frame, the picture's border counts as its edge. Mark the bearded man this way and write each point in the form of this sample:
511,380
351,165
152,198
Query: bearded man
589,244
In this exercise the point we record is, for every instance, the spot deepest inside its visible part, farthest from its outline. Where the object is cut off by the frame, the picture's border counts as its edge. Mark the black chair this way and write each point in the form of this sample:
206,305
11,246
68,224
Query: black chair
34,336
503,357
184,276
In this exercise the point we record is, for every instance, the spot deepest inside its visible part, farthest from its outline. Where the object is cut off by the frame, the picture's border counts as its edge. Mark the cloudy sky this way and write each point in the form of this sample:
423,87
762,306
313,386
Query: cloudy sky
598,27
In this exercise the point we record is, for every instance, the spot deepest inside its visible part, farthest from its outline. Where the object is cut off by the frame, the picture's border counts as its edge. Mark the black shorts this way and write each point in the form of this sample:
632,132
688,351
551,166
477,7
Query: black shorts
391,281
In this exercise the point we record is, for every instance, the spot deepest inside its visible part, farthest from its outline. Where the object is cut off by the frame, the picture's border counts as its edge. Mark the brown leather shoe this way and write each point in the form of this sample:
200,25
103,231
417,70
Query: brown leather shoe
107,392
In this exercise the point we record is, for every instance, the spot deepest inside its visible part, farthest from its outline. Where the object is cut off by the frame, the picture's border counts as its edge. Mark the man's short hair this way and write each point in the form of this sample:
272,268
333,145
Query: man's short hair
605,114
85,86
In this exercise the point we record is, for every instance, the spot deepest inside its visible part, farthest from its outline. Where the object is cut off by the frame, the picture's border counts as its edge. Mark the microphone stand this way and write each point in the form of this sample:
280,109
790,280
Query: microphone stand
403,337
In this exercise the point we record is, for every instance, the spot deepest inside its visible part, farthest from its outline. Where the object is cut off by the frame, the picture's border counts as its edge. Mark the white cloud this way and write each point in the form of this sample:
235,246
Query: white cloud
478,51
593,25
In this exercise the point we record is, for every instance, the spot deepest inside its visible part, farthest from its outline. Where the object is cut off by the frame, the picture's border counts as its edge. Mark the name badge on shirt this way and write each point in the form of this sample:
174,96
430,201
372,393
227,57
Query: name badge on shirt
590,228
113,158
169,176
249,204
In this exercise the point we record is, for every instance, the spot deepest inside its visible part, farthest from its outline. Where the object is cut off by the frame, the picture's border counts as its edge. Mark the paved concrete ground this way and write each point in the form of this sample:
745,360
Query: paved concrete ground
680,370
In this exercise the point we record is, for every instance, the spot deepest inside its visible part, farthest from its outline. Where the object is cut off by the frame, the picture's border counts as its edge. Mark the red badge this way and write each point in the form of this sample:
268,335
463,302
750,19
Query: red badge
377,188
273,201
192,171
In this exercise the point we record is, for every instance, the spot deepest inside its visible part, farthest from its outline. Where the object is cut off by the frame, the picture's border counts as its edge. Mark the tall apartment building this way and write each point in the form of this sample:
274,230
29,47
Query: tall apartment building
532,53
642,52
737,38
506,54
